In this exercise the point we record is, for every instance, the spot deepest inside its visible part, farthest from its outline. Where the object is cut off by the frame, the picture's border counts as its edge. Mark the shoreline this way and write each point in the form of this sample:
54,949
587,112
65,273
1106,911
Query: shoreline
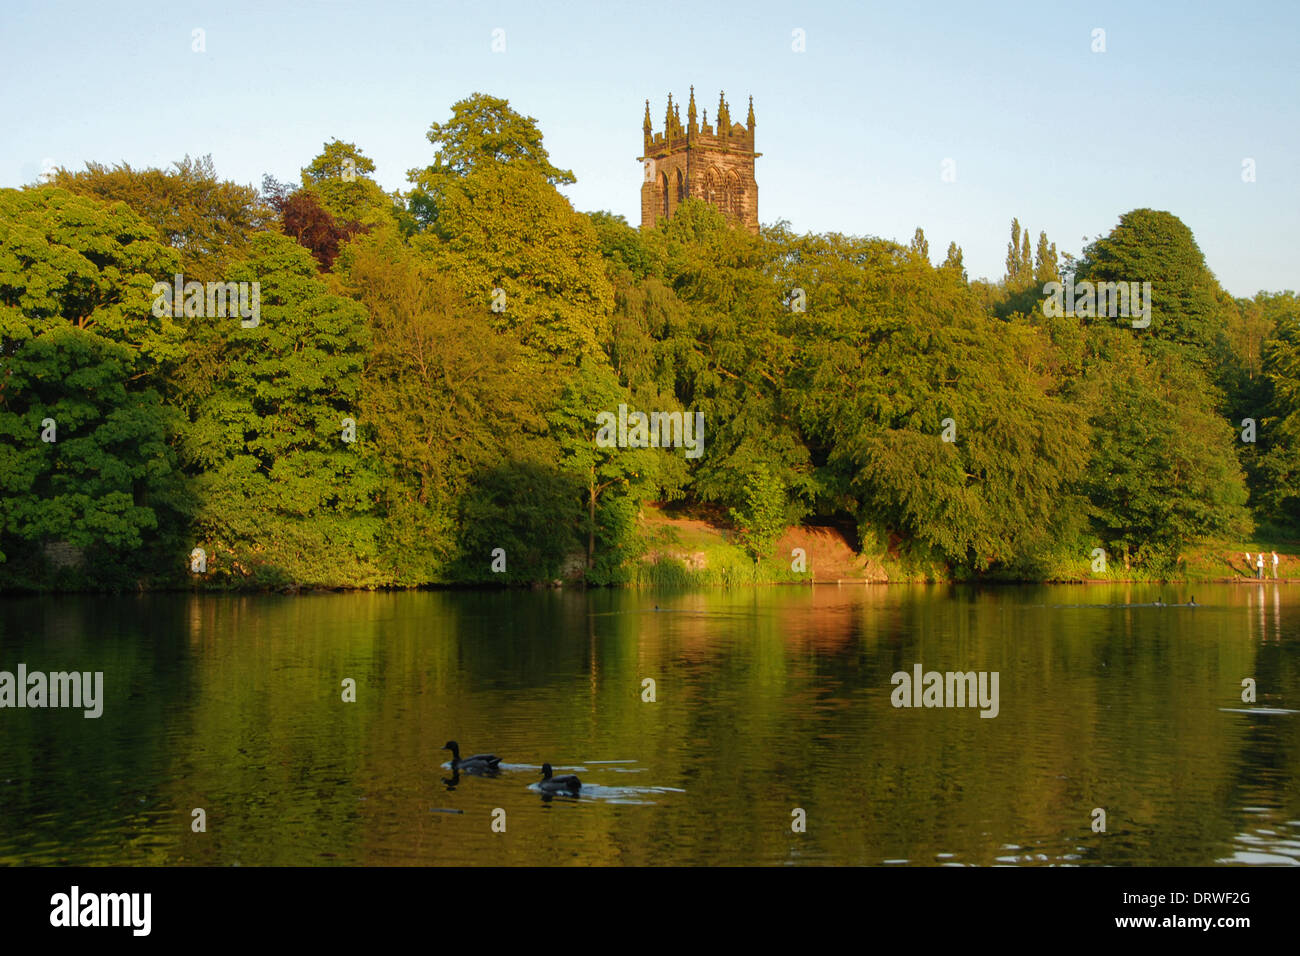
703,584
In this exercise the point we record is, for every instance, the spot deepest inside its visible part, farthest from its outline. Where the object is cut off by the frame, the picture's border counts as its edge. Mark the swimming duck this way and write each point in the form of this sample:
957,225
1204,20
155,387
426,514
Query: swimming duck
1192,603
568,783
479,763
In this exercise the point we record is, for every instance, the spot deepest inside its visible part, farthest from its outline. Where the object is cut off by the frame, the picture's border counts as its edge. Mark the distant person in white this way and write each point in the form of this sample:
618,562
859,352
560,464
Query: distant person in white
1274,565
1259,566
1248,562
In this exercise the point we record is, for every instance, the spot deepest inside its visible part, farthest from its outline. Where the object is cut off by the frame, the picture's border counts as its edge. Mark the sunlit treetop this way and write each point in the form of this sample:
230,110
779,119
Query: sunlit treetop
484,129
337,160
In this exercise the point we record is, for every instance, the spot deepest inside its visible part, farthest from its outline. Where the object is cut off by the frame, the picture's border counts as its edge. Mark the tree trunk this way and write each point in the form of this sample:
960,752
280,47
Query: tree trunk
591,522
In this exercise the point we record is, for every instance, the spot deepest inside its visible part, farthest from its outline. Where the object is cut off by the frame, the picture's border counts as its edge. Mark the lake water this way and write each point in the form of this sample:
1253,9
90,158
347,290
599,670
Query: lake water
767,701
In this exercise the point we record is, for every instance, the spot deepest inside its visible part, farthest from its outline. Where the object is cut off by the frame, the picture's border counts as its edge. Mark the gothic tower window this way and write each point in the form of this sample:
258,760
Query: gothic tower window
681,186
733,200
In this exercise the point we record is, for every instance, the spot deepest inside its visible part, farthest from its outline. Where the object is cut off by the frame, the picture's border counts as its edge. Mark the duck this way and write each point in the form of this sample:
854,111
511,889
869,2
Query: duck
479,763
1160,603
1192,603
569,783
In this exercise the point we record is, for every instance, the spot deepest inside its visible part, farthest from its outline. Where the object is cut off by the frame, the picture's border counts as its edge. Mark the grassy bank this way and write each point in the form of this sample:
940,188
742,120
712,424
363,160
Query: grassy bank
693,551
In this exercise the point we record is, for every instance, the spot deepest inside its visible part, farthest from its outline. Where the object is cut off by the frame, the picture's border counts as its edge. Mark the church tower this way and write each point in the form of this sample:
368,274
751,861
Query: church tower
699,161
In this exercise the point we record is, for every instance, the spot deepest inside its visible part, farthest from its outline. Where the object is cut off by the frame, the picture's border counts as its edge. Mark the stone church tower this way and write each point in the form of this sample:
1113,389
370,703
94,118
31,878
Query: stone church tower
698,161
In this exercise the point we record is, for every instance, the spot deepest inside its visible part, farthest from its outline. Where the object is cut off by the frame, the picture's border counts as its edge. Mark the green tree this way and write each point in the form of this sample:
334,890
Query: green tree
761,519
1162,472
954,261
446,397
1189,310
1046,267
340,177
208,221
483,131
284,497
906,360
733,341
610,475
1277,472
1019,263
532,264
82,357
920,247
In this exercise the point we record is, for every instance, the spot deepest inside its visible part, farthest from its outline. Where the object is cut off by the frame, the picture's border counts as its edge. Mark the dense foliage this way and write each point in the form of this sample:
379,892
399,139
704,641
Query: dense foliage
429,392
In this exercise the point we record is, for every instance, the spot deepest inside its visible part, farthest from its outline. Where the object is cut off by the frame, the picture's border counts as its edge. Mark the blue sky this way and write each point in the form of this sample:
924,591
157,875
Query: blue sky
853,131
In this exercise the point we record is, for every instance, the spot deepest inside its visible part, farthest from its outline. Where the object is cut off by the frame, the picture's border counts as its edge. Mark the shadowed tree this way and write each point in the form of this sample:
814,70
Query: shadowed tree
447,397
611,474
